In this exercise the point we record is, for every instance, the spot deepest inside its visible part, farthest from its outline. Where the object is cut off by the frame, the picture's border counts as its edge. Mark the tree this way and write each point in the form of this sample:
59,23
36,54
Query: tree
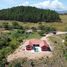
29,14
6,25
15,25
18,64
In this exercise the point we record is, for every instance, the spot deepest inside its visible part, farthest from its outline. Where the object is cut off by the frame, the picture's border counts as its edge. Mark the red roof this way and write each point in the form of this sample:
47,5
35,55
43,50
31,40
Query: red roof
37,41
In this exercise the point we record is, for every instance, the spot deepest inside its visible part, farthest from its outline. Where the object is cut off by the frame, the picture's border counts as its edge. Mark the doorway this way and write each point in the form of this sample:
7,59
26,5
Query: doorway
36,48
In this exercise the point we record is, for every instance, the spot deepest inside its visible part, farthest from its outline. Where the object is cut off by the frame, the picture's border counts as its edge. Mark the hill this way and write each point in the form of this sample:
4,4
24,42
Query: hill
29,14
62,12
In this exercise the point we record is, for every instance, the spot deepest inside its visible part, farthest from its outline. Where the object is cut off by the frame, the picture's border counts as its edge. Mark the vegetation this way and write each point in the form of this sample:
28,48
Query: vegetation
45,29
9,41
58,59
65,50
58,26
29,14
14,25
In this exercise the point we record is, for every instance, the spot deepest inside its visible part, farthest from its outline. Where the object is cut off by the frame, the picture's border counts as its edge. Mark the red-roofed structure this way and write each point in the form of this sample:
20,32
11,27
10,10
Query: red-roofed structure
36,44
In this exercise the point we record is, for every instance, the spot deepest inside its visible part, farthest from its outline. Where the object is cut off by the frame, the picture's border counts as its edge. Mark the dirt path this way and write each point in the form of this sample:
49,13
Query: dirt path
57,33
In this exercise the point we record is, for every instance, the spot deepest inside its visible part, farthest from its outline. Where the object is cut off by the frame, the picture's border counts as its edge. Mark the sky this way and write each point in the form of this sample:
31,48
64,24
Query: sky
58,5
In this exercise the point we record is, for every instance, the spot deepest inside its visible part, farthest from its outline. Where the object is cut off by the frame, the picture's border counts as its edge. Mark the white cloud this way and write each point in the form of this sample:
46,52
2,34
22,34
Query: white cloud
56,4
8,1
43,4
50,4
26,3
46,4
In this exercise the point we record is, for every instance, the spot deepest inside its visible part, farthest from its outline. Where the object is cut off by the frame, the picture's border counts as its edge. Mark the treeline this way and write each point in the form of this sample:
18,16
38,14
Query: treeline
29,14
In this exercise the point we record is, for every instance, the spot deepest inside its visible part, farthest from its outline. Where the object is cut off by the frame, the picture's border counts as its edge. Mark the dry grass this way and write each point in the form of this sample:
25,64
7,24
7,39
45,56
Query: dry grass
58,25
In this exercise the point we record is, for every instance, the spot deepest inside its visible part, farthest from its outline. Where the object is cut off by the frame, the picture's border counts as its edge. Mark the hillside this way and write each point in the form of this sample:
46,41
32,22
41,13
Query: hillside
29,14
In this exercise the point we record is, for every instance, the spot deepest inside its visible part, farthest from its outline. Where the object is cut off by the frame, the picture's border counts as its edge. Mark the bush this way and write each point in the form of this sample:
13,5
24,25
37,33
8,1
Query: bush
15,25
42,33
45,29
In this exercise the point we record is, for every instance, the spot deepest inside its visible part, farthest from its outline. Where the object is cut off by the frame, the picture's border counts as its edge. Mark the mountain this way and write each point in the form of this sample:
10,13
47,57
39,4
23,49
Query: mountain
29,14
62,12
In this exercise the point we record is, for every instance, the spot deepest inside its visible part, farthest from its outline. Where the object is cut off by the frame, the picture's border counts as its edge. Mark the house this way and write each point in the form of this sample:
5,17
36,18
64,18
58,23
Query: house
37,45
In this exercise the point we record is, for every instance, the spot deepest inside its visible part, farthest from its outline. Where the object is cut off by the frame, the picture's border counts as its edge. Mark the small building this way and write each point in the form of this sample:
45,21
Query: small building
37,45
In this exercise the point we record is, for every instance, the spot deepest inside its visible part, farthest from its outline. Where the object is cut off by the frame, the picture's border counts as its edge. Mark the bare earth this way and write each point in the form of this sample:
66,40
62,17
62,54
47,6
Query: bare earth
22,53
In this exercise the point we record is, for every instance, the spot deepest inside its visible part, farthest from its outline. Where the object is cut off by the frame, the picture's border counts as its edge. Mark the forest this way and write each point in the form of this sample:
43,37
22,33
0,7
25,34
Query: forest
29,14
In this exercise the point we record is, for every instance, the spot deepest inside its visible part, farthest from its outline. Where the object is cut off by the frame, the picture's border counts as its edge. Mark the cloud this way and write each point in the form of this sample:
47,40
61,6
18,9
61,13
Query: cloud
50,4
26,3
45,4
8,1
57,5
